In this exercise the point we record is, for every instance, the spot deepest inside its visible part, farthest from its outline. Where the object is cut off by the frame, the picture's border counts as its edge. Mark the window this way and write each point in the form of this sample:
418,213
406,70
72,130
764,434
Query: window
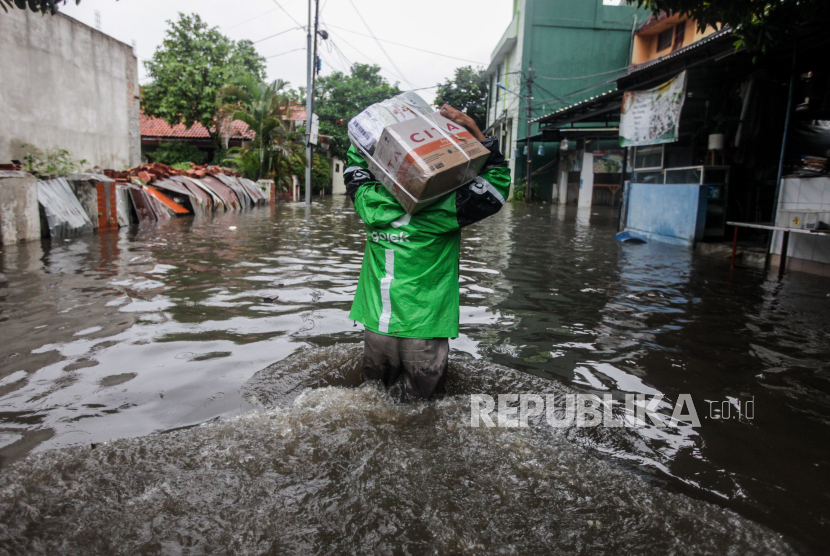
650,156
664,39
612,2
336,167
679,35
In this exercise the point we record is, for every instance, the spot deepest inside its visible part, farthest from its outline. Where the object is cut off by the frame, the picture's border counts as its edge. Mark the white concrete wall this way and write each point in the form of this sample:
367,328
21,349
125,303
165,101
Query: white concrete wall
509,103
64,84
338,184
805,253
19,216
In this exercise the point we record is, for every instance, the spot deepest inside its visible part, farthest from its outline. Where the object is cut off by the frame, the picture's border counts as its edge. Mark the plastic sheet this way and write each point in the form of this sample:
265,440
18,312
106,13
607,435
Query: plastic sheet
367,127
423,156
65,216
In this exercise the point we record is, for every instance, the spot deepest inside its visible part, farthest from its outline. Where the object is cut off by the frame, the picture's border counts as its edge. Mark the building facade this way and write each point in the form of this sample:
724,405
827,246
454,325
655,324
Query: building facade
66,85
573,48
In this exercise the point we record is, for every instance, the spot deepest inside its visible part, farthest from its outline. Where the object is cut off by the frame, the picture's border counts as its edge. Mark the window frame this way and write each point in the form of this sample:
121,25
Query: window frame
670,34
649,168
679,35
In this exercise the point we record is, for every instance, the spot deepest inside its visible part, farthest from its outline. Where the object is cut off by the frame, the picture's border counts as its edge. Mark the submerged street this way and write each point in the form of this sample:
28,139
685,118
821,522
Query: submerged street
195,341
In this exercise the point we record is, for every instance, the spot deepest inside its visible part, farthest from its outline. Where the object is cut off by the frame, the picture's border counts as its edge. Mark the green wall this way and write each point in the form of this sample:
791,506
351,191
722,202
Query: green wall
571,39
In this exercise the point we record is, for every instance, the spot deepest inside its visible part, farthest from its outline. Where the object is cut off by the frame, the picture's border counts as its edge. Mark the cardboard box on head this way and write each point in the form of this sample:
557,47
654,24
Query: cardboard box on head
419,156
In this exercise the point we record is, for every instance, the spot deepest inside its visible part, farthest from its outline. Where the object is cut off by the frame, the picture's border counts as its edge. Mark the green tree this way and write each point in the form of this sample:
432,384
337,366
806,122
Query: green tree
341,97
190,67
321,175
261,106
176,152
758,24
466,92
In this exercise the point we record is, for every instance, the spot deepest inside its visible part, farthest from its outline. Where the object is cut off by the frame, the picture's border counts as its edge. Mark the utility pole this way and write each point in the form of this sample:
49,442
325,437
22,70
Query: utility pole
309,98
528,101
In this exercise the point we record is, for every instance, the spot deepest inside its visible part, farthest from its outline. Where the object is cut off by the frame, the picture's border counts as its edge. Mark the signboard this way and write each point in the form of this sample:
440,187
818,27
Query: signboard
608,162
315,129
652,117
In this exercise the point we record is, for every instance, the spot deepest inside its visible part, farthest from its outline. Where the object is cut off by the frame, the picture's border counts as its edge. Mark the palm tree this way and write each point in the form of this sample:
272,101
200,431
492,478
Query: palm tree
261,106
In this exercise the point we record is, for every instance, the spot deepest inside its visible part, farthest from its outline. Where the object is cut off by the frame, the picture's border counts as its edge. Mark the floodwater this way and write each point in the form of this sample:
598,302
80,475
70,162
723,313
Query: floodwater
190,388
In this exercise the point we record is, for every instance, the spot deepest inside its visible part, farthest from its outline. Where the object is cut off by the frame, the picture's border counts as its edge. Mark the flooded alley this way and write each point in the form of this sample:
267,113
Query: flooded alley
189,387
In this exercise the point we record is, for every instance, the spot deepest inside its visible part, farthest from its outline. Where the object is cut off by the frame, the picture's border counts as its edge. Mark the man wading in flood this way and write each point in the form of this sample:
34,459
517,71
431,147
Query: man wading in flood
407,295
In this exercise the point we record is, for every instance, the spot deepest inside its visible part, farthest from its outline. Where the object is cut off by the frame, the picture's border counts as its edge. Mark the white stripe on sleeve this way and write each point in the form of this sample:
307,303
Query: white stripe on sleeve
385,297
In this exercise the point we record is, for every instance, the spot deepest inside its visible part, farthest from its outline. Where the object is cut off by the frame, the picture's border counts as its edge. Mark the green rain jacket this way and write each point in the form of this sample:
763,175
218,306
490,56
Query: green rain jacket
408,283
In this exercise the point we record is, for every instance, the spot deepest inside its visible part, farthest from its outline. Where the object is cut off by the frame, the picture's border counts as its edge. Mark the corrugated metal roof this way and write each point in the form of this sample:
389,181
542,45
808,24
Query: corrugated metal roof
679,52
651,63
578,104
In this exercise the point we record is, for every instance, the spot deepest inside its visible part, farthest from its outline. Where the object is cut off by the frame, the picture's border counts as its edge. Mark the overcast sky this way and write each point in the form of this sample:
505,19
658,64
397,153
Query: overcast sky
464,29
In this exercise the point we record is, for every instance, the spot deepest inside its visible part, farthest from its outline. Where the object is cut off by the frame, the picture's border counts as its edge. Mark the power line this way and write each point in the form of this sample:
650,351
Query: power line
332,47
394,65
286,52
288,14
341,55
277,34
372,61
584,76
362,97
407,46
249,20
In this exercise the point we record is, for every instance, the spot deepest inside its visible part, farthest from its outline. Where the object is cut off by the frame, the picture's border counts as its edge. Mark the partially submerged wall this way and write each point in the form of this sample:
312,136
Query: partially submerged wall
19,217
64,84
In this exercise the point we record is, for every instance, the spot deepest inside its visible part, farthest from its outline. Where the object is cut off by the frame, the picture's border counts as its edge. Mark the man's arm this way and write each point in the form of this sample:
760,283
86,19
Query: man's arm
485,195
375,205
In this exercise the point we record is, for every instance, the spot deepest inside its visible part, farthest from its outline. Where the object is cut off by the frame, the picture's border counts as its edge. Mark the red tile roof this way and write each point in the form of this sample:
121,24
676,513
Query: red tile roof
156,127
296,114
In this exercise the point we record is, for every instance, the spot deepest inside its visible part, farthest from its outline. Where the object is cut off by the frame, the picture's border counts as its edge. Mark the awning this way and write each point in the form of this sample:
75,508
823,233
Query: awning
715,46
604,109
533,138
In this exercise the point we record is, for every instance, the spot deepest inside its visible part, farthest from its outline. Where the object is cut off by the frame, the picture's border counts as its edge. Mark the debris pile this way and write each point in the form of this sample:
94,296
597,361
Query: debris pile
160,192
149,172
99,199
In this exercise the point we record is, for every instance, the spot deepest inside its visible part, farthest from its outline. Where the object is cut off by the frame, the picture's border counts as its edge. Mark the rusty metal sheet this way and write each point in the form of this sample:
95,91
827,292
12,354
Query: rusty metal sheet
162,212
259,196
174,208
122,198
227,194
245,200
208,201
143,209
65,217
178,190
